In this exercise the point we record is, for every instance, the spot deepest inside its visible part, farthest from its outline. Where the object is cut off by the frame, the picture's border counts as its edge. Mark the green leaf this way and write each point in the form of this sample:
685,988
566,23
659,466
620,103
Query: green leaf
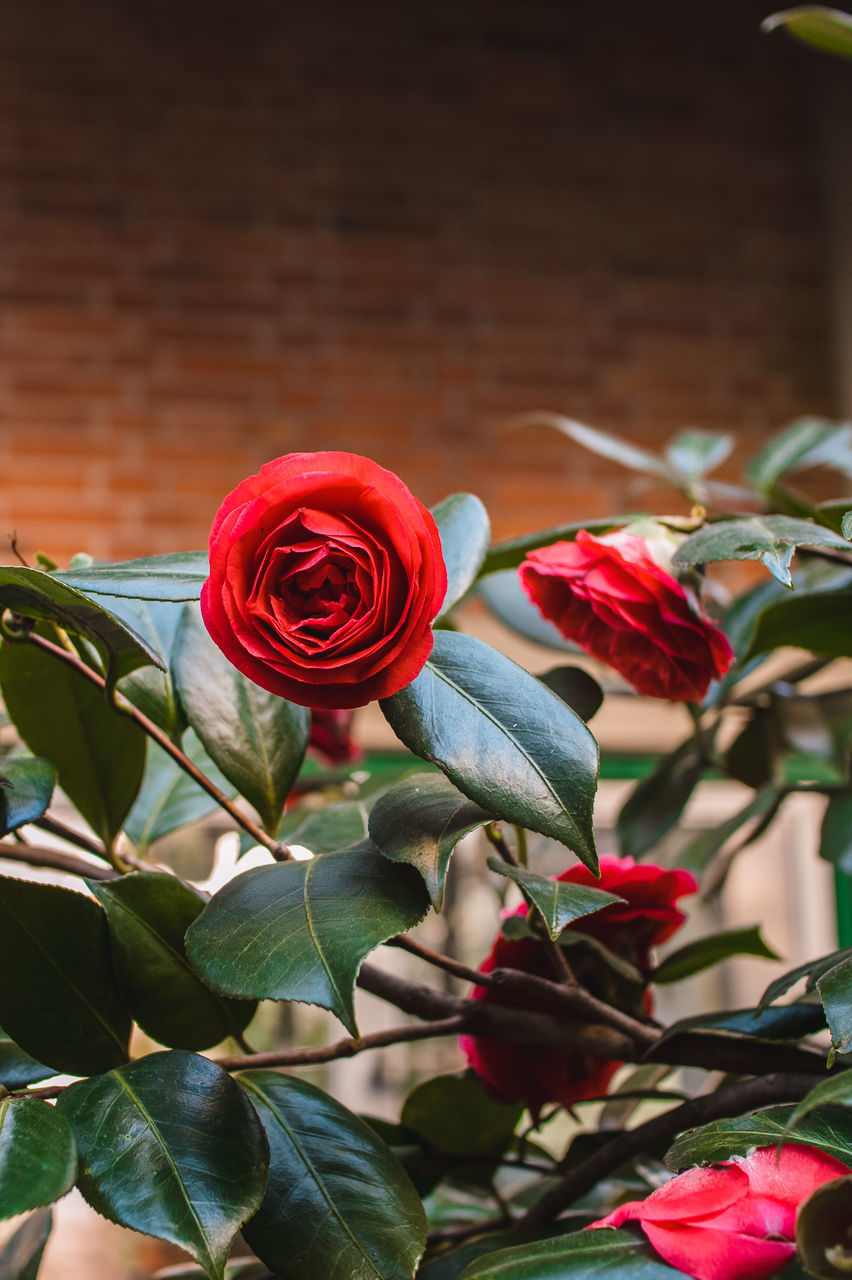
606,445
503,739
38,1160
465,532
775,1022
819,621
326,830
454,1114
169,797
21,1257
69,1011
179,575
148,914
17,1068
806,443
835,989
576,687
170,1145
35,594
508,555
508,601
602,1253
830,1129
257,739
420,821
846,525
152,689
824,1221
98,753
705,952
770,539
558,902
703,848
827,29
836,1089
693,453
26,788
278,932
338,1203
836,834
657,801
812,970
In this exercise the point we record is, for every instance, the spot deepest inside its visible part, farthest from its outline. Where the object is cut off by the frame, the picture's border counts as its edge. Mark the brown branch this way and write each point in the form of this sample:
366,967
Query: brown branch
574,997
57,860
278,850
56,828
650,1136
343,1048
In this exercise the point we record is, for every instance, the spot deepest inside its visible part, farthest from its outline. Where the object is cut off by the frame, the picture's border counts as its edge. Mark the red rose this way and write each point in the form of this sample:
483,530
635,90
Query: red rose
325,574
734,1221
331,736
534,1074
612,597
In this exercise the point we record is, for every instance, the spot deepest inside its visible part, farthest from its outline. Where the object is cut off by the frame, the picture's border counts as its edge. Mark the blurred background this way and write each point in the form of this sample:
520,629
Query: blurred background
230,231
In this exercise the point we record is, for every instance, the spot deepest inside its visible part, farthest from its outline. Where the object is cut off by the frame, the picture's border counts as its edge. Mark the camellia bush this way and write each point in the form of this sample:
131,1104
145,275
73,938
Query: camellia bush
159,691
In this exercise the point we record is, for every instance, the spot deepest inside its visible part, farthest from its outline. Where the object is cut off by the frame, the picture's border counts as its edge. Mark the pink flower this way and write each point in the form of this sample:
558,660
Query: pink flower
534,1074
615,600
733,1221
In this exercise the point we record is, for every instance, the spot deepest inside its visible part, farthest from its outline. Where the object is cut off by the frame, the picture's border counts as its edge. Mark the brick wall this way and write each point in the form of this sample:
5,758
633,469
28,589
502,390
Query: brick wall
233,230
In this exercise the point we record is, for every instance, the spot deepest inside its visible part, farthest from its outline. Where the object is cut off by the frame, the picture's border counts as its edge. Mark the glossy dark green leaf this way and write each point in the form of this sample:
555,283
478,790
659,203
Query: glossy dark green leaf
171,1146
775,1022
69,1011
99,754
35,594
835,989
508,555
152,689
604,1253
21,1257
300,930
257,739
829,1128
824,1221
240,1270
17,1068
338,1203
503,739
835,1089
169,797
179,575
693,453
38,1160
701,850
558,902
26,788
705,952
805,443
465,531
148,914
819,621
455,1114
420,821
335,826
835,843
576,687
657,801
811,970
771,539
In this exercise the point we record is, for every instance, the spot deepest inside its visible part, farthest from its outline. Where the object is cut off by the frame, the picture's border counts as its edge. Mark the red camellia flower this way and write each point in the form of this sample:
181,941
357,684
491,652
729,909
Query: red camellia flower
325,575
614,598
534,1074
734,1221
331,736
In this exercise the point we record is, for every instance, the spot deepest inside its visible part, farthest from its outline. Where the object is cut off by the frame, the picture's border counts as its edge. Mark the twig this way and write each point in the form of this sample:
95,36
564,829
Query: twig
56,828
574,997
55,858
343,1048
733,1100
278,850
